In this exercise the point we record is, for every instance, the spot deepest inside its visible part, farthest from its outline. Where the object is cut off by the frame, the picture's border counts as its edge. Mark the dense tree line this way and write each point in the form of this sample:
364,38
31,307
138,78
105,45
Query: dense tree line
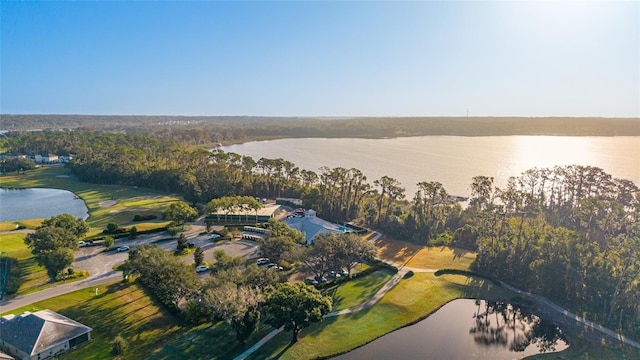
568,232
213,129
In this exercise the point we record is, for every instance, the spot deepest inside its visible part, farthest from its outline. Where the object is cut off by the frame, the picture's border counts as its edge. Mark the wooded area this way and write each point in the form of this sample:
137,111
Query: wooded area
571,233
197,130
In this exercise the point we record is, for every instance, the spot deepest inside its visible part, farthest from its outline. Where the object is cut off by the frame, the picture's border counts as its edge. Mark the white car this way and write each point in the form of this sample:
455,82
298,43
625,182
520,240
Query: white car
123,249
263,261
83,244
202,268
213,237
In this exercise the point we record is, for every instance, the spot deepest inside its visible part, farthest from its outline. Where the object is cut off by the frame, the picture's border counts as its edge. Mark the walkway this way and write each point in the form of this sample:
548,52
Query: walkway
544,302
402,270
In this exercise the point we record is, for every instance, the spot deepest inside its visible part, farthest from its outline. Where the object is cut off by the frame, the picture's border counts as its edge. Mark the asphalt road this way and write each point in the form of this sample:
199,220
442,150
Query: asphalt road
100,264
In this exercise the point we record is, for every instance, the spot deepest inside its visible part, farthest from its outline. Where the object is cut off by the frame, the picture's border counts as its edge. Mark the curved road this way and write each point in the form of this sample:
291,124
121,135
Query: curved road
100,264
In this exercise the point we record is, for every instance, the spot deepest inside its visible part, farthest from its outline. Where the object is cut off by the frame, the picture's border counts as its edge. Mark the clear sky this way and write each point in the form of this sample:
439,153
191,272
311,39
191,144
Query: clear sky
321,58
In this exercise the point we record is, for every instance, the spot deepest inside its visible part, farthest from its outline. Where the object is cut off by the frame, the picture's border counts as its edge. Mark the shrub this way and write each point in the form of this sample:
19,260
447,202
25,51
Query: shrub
118,346
111,228
138,217
108,241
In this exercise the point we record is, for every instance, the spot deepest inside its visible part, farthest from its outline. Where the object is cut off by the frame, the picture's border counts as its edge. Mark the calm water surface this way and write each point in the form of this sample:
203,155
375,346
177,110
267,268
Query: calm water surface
21,204
453,160
467,329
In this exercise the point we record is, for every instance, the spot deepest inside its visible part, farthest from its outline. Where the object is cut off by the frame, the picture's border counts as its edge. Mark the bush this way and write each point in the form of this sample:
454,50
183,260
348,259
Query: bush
107,242
118,346
138,217
111,228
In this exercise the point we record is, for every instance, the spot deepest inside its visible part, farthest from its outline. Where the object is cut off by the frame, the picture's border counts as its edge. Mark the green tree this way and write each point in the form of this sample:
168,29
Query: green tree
275,247
295,306
133,233
351,250
118,346
112,227
198,256
48,245
56,261
180,212
76,226
168,277
107,242
182,245
237,305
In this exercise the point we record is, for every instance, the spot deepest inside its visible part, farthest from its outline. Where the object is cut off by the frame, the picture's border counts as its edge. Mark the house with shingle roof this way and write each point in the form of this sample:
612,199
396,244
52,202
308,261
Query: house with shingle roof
40,335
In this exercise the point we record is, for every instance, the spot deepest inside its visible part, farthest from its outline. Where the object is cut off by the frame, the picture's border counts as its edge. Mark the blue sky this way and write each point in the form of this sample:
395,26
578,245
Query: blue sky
321,58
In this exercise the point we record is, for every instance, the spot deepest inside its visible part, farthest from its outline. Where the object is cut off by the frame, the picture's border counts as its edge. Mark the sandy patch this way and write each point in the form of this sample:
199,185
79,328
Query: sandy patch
128,209
109,203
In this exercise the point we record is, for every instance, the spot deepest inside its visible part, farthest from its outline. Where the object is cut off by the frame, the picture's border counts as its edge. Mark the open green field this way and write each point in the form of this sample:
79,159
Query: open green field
29,224
357,291
30,276
411,300
151,331
424,257
106,203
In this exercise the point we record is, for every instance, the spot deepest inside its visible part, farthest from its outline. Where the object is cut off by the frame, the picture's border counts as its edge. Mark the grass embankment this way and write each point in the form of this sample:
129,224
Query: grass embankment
25,272
420,256
106,203
411,300
357,291
13,225
151,331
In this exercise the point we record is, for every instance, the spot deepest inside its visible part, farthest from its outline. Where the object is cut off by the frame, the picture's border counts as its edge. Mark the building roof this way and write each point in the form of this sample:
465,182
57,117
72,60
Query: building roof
312,226
35,332
267,210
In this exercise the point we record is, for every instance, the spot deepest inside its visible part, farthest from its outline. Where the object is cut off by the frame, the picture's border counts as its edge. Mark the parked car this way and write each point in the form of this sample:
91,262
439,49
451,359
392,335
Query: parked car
123,249
262,261
83,244
343,272
274,266
333,275
202,268
311,281
213,237
321,279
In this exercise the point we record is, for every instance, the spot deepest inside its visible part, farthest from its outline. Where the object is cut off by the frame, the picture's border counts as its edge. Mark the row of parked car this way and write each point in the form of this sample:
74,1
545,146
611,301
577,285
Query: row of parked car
331,275
268,264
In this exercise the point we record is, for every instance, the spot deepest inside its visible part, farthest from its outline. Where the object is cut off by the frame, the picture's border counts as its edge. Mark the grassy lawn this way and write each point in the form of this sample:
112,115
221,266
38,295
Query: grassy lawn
106,203
151,331
207,341
117,309
420,256
357,291
411,300
11,225
31,276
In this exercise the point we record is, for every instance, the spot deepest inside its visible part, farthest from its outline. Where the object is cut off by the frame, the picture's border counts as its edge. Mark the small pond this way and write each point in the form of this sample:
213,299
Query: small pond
468,329
35,203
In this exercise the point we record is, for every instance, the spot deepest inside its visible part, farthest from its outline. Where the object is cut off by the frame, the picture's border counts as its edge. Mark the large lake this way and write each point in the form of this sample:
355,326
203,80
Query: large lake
453,160
468,329
36,203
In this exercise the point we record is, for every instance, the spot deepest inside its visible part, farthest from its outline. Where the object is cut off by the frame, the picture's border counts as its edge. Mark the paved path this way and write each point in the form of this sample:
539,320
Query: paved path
541,301
100,264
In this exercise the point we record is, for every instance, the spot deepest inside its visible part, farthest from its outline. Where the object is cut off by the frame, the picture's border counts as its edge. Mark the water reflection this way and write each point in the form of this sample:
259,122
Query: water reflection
509,326
468,329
